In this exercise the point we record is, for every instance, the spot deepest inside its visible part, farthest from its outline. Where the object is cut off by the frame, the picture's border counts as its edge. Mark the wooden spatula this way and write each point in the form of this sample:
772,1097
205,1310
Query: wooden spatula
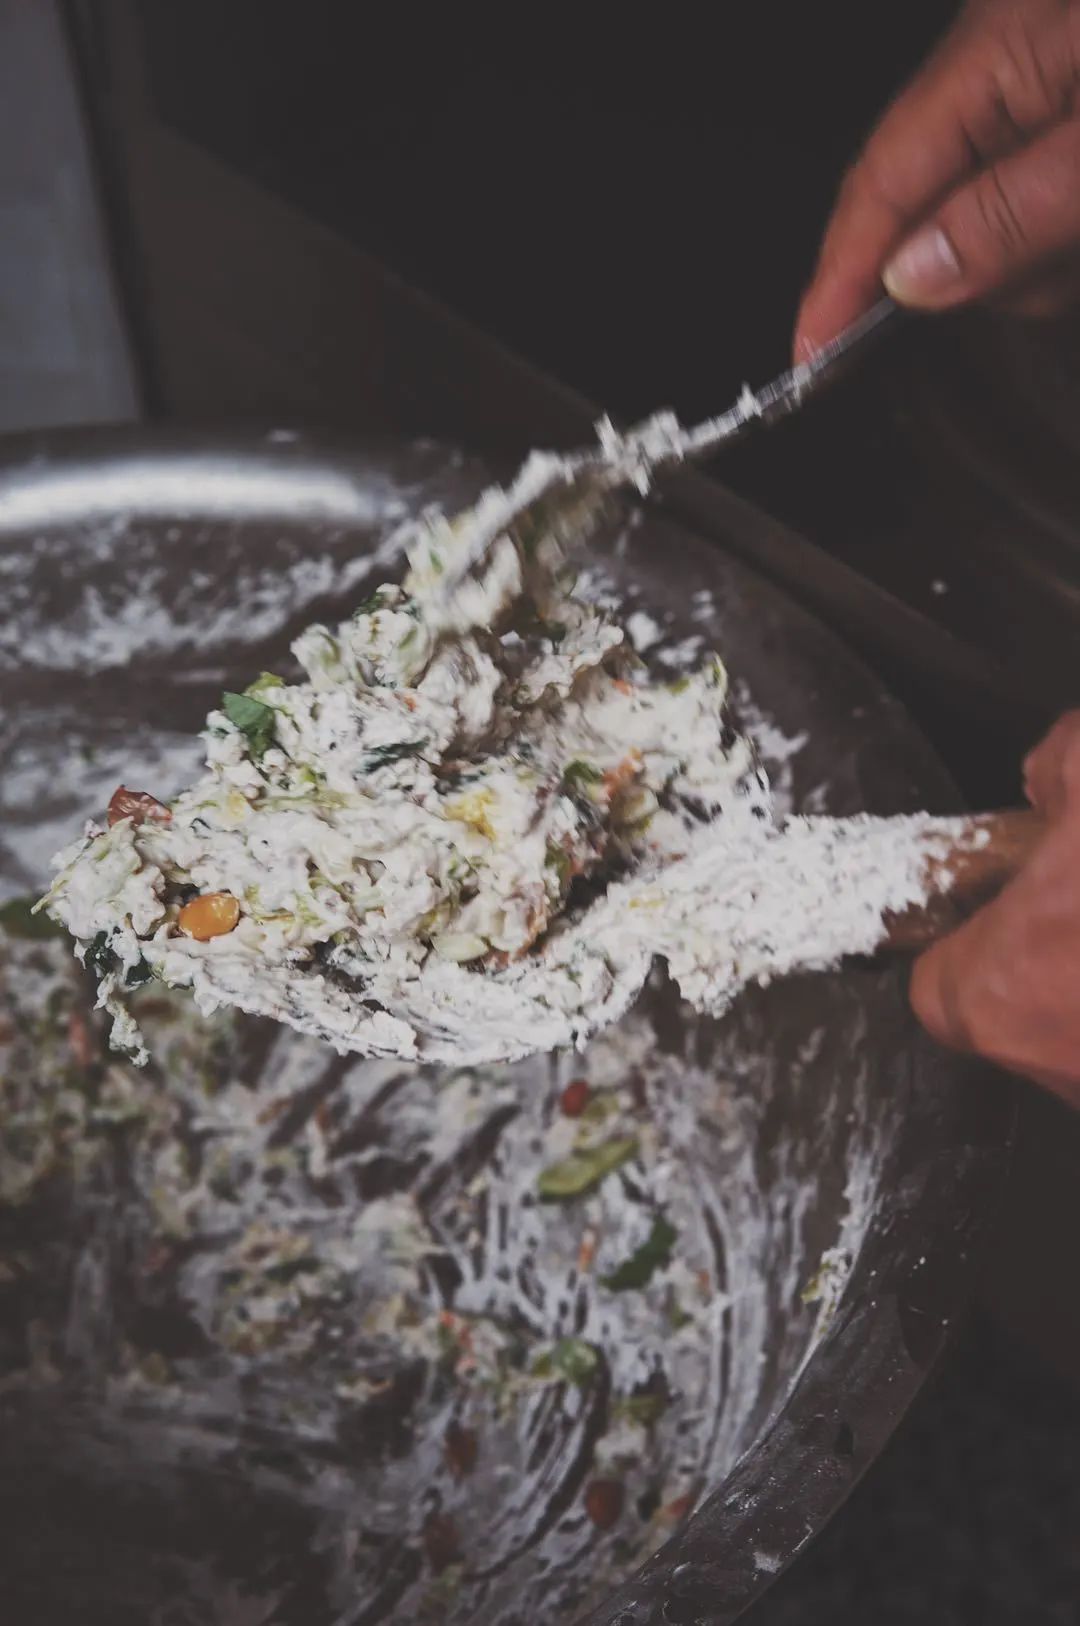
968,876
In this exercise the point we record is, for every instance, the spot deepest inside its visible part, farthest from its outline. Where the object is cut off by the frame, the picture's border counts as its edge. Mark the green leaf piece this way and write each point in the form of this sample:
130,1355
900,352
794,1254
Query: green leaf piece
380,755
584,1170
577,775
254,720
653,1254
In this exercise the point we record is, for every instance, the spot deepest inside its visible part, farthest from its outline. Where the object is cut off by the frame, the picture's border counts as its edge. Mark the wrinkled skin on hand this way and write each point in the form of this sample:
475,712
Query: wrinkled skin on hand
1007,984
969,187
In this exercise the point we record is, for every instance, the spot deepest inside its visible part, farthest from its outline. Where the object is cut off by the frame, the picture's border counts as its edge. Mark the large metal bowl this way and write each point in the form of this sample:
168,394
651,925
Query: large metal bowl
143,571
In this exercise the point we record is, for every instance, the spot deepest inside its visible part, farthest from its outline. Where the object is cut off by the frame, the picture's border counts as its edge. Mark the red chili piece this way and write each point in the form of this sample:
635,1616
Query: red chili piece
574,1099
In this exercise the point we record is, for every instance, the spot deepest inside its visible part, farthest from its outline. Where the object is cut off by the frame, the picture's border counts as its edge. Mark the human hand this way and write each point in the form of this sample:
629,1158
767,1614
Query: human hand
969,188
1007,984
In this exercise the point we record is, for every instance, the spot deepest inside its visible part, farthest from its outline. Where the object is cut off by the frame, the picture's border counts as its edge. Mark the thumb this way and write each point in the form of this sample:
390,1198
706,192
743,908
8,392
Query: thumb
1009,220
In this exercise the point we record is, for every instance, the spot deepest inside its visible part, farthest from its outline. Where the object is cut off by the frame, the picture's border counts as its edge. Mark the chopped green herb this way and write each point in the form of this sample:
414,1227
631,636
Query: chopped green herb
578,774
570,1358
264,681
583,1171
370,605
827,1281
18,920
558,859
653,1254
284,1270
380,755
254,720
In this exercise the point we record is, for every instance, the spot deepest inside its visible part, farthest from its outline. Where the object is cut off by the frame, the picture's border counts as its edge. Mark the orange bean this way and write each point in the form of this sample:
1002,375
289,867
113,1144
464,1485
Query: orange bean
574,1098
212,915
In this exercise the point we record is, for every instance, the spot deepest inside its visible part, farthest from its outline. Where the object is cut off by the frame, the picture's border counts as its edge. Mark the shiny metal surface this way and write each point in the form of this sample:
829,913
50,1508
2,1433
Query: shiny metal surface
800,384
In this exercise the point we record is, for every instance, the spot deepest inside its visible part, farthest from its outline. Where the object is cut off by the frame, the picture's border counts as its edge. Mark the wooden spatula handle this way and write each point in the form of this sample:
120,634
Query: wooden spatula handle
989,850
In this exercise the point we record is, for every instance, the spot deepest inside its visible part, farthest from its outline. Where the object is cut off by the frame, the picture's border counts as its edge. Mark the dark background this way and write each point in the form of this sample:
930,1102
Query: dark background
633,206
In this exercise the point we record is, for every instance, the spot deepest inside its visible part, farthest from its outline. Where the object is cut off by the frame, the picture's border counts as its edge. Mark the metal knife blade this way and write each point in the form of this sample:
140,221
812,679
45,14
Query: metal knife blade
562,492
793,388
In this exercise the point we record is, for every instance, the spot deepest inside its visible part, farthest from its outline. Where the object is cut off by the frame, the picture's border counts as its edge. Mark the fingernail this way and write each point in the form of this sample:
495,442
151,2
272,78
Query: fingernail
924,270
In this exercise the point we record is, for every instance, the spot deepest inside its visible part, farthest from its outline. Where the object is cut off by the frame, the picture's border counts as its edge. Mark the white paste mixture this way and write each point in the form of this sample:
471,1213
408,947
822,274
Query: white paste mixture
394,855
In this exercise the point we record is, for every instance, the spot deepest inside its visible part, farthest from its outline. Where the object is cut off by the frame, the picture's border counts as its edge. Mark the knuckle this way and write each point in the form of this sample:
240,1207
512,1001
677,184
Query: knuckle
1034,72
1000,216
